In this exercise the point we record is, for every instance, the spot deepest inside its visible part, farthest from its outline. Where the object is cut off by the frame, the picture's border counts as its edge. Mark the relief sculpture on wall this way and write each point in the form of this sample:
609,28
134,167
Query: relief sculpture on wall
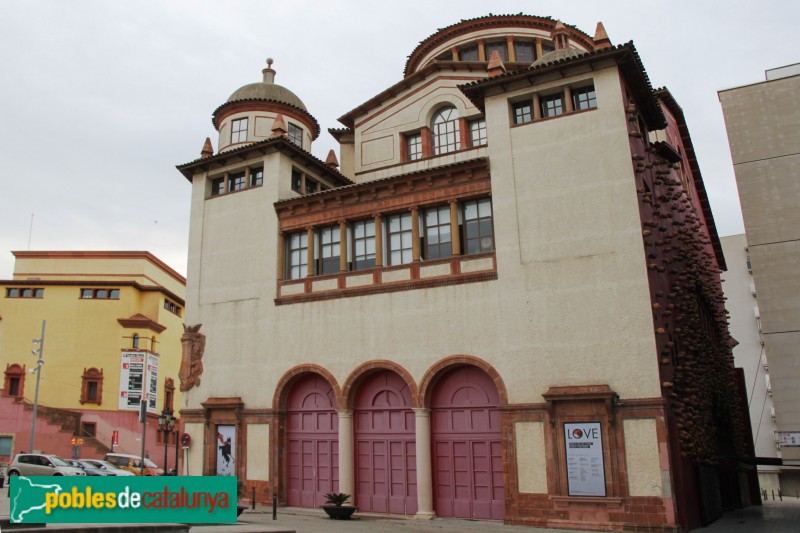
193,343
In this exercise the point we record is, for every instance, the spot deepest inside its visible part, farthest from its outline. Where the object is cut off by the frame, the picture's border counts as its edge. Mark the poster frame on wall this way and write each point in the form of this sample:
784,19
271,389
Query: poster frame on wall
585,461
225,444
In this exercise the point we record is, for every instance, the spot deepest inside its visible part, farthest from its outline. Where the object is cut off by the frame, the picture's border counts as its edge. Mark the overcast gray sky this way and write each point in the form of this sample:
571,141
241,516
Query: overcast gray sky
101,99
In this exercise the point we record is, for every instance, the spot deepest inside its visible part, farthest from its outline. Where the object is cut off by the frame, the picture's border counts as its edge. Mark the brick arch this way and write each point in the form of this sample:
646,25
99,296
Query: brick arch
438,370
365,369
292,375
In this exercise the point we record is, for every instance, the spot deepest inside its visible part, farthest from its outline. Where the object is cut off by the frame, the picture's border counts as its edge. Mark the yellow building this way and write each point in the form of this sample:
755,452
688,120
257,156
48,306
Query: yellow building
102,315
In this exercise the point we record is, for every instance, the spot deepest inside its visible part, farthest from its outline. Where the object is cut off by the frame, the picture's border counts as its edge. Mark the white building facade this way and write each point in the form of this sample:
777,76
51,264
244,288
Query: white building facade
482,313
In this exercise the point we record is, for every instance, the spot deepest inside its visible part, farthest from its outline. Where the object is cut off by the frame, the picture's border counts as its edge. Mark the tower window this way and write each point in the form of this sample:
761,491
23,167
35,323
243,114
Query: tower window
477,132
501,49
413,146
584,98
552,105
239,130
523,111
296,134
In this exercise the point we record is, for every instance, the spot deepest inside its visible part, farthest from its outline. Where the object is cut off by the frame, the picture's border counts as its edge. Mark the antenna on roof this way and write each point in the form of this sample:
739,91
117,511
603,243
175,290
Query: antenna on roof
30,233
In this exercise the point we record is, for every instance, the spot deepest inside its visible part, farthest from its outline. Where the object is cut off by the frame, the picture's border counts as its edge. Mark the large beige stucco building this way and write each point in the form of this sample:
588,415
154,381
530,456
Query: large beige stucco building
504,303
763,123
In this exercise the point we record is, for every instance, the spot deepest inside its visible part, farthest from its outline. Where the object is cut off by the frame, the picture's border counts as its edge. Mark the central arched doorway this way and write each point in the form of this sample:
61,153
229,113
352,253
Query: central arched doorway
467,446
386,469
312,429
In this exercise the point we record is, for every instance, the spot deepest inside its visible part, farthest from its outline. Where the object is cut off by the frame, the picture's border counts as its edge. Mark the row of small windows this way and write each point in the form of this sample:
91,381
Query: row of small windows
239,132
14,292
553,104
100,294
237,181
304,184
524,51
473,228
445,135
172,307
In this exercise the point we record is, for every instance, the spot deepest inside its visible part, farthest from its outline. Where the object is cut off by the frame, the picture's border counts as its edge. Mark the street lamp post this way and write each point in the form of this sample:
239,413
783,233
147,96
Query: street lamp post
165,423
37,351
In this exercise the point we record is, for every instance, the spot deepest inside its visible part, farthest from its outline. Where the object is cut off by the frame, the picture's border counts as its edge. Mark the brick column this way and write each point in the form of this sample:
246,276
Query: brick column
378,241
454,51
343,246
281,258
455,242
427,146
310,267
481,50
346,452
246,177
539,52
568,99
422,419
512,54
537,108
463,134
415,249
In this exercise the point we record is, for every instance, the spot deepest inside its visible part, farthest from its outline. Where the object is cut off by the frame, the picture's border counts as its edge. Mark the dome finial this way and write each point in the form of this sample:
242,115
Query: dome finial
269,73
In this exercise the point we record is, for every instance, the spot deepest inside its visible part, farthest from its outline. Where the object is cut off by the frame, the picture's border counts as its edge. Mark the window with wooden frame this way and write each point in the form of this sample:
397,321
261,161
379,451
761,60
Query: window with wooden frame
92,386
297,180
236,182
295,134
239,130
413,143
400,239
297,255
522,111
172,307
15,381
329,250
217,186
468,53
445,131
477,132
438,238
584,98
363,244
500,47
135,341
478,231
256,176
523,50
552,105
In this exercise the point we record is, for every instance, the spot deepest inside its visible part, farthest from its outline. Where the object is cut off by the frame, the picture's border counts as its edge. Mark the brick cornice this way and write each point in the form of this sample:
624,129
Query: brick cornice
440,184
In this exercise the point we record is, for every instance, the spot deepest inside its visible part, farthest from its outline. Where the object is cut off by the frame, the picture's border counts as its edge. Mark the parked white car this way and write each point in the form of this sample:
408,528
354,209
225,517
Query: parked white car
39,464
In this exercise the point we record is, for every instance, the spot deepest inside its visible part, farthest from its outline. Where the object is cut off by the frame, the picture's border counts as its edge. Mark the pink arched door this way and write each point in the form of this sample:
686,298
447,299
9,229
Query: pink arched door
467,446
386,468
312,428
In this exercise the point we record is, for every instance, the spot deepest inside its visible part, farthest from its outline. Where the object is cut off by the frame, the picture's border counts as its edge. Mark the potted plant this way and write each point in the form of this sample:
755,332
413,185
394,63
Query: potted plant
335,508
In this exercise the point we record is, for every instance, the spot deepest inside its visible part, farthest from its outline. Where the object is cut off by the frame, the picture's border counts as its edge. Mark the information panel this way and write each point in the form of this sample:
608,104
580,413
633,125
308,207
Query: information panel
138,377
789,438
585,469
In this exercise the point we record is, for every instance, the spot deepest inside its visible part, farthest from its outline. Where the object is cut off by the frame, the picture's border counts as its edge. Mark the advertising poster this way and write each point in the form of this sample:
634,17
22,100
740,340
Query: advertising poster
226,450
585,469
152,382
138,376
131,380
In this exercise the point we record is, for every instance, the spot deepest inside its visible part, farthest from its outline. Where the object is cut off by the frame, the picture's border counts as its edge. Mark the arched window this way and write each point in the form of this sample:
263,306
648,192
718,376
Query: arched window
92,386
135,340
445,131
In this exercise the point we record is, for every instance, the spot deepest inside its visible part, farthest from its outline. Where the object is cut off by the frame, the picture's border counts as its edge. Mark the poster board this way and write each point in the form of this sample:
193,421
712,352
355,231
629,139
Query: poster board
138,376
226,450
584,452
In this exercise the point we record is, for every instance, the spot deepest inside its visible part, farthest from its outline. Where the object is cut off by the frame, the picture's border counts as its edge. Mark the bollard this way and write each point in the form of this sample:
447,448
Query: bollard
274,506
780,494
773,494
253,500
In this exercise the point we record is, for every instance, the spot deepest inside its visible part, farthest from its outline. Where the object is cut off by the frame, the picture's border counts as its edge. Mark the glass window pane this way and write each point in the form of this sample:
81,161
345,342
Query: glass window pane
470,210
472,246
406,240
472,229
360,248
394,224
486,227
370,228
484,208
370,246
433,236
394,241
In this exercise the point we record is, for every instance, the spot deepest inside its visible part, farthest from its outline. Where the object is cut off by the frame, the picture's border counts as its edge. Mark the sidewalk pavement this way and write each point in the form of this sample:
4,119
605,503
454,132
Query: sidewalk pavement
772,517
